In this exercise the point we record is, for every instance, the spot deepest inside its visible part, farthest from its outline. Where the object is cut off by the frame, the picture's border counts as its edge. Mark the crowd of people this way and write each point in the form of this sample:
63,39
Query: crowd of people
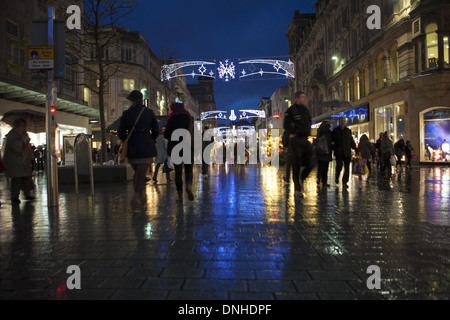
338,142
145,142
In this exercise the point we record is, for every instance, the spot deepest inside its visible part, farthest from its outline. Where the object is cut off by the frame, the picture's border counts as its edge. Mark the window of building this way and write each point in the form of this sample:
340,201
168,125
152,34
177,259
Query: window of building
394,63
379,71
435,135
366,80
446,52
346,94
128,54
432,45
356,86
129,84
12,37
391,119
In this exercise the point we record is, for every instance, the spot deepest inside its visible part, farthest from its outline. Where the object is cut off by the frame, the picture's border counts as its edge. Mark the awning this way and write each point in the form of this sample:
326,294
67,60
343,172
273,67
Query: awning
22,95
354,115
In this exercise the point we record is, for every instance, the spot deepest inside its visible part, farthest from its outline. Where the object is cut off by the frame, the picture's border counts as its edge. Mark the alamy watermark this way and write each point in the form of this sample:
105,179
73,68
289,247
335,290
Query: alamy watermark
235,147
374,281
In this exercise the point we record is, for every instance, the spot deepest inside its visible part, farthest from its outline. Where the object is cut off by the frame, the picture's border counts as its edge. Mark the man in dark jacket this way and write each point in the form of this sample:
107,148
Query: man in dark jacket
343,143
298,124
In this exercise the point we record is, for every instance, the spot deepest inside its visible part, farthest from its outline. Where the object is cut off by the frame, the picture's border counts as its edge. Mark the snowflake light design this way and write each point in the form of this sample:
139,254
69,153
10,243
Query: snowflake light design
227,71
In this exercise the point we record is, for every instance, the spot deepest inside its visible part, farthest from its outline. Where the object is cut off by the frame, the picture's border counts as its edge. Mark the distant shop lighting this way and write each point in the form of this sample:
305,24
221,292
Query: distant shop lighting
334,58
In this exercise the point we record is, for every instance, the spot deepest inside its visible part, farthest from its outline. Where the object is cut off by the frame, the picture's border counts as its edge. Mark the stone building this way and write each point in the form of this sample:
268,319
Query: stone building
396,78
203,93
280,102
22,89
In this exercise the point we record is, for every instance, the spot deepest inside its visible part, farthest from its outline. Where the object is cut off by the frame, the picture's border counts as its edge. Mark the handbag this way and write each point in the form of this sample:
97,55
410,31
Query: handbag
322,146
123,150
166,167
393,161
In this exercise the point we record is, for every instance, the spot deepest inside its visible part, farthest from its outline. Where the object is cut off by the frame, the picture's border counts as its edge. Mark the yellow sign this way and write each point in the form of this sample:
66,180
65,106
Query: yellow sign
41,58
41,53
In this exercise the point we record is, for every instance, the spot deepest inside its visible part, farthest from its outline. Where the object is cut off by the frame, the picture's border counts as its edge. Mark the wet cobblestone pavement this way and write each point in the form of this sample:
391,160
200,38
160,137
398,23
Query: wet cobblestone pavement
245,237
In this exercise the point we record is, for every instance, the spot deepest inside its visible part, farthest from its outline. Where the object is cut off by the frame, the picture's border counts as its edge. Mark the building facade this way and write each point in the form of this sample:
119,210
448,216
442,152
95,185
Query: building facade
399,74
203,93
22,89
280,102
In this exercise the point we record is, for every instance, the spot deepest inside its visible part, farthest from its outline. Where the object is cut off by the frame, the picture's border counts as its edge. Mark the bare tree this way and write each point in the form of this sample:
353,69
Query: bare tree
97,48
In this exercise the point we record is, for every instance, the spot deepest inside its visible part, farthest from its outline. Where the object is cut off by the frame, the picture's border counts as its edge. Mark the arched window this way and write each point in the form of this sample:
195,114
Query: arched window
356,82
394,63
346,88
432,45
379,71
366,80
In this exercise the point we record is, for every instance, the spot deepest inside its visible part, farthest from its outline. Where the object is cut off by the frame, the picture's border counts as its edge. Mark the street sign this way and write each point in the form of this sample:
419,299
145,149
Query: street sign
41,57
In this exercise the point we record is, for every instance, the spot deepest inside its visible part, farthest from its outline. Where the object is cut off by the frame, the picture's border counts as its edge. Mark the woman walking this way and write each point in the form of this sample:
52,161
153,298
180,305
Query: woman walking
399,150
179,118
18,155
324,154
366,148
408,153
387,151
143,126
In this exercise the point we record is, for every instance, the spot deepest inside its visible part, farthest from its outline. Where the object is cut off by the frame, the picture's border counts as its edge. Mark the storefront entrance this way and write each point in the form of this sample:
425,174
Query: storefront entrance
391,119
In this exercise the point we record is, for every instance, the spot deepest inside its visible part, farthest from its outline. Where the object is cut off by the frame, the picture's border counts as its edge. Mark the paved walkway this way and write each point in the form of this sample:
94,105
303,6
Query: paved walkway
245,237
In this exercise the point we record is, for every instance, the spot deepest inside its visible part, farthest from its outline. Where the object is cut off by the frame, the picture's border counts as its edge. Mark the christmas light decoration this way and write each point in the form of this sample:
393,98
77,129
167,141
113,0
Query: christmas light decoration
214,115
283,68
169,71
227,71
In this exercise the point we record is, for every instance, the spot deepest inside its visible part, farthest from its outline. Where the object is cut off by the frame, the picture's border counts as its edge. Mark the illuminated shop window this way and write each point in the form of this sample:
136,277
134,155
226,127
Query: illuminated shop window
432,46
446,52
128,84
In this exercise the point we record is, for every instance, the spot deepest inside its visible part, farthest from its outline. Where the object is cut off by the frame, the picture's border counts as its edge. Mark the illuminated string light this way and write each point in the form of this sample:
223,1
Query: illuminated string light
283,68
227,71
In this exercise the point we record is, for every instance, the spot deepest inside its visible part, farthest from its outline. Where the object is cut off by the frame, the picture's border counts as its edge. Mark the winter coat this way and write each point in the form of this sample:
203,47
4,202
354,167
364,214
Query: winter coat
179,122
17,158
161,147
298,121
387,147
343,142
365,147
399,148
408,150
142,143
323,131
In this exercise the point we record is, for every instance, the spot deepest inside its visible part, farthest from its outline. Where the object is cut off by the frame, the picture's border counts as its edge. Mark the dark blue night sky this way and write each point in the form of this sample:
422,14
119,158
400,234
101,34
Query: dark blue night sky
217,30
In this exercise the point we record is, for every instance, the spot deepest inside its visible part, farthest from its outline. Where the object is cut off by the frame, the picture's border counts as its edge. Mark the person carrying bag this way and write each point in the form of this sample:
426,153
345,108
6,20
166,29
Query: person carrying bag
123,150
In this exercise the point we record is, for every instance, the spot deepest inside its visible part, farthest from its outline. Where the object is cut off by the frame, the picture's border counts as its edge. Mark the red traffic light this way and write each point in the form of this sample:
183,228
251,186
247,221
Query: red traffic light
53,109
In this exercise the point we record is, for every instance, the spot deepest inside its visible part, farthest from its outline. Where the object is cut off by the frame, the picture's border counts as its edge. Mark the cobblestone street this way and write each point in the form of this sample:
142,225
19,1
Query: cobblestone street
244,237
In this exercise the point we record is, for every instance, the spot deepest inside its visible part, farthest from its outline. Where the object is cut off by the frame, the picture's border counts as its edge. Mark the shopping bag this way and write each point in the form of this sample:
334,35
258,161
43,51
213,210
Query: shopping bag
166,168
170,164
393,161
358,166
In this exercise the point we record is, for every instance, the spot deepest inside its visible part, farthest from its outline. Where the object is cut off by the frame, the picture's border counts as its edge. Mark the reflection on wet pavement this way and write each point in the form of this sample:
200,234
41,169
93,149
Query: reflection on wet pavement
245,237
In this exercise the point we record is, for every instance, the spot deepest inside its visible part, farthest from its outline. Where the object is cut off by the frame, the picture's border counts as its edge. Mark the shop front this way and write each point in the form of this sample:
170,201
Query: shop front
391,119
358,120
435,135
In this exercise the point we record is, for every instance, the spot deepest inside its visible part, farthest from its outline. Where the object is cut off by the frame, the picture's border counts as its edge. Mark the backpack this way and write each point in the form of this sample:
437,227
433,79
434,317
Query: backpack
322,146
